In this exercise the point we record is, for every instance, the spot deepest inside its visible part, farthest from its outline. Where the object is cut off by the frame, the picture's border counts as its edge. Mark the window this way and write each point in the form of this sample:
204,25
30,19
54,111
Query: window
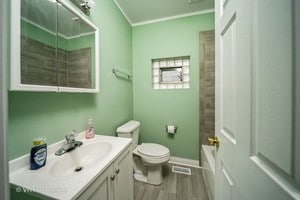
171,73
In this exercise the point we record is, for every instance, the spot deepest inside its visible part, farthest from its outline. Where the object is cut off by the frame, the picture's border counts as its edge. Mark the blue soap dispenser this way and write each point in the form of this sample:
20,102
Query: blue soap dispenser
38,154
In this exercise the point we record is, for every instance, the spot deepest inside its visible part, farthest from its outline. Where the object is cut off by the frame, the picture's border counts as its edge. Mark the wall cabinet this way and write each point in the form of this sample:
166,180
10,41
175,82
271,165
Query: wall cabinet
115,183
54,47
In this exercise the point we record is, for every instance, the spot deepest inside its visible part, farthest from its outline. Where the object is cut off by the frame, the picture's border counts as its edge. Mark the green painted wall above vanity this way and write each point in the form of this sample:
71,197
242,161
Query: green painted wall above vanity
33,114
129,49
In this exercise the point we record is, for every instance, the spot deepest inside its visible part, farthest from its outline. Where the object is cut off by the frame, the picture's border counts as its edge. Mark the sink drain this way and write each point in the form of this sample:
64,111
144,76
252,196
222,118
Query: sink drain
78,169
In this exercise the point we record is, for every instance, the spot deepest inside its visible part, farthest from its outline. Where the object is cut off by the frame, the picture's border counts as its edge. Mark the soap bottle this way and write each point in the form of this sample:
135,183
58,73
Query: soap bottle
38,154
90,132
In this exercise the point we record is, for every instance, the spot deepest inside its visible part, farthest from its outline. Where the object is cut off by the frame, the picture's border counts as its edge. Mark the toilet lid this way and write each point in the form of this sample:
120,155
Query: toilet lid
155,150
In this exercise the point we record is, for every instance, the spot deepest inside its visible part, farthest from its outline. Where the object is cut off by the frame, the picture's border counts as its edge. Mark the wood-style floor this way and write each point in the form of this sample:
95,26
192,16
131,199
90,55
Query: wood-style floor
174,187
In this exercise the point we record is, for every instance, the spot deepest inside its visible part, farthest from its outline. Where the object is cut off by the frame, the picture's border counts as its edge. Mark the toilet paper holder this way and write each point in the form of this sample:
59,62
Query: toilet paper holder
171,129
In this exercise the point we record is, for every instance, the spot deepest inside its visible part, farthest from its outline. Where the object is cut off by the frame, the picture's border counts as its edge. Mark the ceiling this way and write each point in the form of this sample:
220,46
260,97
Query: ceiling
146,11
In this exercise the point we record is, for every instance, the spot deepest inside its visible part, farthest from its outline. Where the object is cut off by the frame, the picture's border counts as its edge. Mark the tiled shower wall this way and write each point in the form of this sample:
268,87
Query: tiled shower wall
207,86
38,65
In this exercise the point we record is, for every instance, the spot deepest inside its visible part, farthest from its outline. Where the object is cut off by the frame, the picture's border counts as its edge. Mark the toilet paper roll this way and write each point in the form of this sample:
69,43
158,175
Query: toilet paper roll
171,129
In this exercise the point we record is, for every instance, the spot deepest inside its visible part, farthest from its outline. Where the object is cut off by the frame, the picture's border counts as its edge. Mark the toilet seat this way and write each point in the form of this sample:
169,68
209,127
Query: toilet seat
153,150
152,154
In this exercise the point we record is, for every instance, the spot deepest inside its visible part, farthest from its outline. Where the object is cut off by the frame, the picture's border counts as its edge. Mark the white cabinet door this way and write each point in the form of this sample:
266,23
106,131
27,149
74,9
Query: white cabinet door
115,183
101,188
257,99
123,186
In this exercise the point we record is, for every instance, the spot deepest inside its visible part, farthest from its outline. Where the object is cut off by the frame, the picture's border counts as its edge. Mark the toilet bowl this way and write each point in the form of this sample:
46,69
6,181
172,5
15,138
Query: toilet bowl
151,158
148,158
152,154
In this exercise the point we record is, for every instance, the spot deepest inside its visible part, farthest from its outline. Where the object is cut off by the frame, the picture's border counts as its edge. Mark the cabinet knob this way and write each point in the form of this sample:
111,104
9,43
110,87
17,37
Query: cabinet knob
112,177
117,171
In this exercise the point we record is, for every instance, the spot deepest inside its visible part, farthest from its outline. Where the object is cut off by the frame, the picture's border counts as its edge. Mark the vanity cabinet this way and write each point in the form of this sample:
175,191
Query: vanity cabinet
115,183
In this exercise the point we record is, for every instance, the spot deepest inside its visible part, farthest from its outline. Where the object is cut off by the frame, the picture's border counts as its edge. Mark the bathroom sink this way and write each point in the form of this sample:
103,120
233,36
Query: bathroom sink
80,159
71,173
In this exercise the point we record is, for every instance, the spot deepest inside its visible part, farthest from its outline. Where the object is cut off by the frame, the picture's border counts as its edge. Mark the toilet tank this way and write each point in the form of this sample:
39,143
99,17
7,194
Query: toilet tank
130,130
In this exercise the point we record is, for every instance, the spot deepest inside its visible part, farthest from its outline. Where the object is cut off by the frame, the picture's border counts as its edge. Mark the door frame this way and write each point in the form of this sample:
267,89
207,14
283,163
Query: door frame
4,182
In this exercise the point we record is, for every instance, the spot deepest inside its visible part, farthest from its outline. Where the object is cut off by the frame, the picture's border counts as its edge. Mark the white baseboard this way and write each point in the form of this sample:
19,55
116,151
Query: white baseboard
184,161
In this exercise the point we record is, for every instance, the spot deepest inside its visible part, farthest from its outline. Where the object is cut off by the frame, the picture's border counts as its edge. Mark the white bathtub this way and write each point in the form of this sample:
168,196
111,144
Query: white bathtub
208,168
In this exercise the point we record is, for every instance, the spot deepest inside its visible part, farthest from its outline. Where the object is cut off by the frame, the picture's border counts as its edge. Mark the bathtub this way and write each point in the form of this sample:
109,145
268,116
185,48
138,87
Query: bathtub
208,168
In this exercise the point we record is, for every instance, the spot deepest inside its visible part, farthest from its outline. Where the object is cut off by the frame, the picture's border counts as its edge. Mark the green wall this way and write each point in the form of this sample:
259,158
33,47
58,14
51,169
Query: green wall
53,114
129,49
157,108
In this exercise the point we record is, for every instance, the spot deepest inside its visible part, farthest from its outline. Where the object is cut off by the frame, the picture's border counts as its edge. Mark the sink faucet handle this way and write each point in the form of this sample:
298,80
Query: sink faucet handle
73,133
71,136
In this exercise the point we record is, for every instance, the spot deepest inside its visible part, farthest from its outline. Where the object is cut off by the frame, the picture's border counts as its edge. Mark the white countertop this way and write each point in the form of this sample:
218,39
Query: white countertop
62,187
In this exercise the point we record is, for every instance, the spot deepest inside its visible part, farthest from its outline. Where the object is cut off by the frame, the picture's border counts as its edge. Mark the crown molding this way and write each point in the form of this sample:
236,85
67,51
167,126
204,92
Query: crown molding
173,17
162,19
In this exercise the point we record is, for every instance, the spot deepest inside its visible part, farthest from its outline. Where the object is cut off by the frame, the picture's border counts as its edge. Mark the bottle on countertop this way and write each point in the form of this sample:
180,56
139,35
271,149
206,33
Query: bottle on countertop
38,154
90,132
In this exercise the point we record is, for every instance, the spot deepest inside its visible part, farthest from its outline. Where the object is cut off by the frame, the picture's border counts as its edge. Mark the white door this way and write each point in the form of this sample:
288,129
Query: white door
257,99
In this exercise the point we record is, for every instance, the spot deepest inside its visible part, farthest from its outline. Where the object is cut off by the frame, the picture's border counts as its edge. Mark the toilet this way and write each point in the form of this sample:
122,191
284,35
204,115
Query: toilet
148,158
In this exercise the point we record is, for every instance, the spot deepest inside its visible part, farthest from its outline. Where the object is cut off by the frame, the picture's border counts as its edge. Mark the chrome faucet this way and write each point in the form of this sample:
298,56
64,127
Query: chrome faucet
70,144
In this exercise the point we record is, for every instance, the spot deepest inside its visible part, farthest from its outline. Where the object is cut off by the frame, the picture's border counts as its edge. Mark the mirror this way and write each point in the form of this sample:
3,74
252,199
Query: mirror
55,48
